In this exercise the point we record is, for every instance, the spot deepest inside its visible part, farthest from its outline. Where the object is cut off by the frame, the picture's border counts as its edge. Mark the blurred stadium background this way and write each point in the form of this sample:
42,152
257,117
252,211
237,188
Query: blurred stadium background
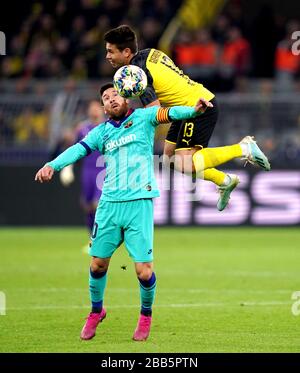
54,64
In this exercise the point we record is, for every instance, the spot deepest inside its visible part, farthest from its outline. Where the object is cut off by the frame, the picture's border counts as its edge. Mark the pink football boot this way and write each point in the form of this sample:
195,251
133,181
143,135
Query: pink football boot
142,330
89,329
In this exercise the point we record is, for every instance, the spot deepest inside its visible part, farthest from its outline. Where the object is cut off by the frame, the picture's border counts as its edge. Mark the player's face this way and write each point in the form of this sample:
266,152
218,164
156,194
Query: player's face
114,105
116,57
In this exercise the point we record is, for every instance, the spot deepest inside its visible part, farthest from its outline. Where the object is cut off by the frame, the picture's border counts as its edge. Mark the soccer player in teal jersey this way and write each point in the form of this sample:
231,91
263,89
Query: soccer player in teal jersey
125,210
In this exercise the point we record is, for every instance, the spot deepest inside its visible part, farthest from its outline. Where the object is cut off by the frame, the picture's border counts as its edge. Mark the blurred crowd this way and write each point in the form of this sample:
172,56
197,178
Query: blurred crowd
62,40
235,49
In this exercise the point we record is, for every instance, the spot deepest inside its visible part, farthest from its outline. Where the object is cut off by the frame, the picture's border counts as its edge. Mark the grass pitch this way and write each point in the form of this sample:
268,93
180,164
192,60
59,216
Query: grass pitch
219,290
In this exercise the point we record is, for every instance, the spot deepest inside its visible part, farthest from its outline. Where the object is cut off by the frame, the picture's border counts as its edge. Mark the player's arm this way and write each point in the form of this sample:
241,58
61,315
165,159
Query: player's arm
67,175
149,98
71,155
153,103
165,115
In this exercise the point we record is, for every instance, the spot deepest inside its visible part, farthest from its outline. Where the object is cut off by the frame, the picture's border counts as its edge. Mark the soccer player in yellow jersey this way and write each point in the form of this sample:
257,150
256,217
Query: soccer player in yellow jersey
188,140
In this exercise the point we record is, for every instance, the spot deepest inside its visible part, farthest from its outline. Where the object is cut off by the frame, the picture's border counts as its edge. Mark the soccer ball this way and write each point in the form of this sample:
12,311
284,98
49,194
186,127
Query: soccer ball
130,81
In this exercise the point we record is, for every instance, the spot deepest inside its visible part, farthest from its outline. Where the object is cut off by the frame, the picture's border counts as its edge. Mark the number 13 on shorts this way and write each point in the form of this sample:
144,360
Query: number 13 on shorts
188,129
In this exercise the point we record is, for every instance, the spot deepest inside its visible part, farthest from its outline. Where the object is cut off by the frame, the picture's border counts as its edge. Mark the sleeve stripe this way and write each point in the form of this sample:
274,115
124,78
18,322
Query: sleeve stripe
162,115
87,148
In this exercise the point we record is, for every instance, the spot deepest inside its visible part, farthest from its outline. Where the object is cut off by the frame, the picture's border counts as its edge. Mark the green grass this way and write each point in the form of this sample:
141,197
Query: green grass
219,290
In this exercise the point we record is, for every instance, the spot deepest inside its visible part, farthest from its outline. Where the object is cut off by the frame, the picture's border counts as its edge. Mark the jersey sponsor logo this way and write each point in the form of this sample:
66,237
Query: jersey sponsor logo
113,144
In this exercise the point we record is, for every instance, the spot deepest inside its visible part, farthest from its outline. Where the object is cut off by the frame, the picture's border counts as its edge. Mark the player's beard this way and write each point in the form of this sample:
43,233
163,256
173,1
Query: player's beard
118,113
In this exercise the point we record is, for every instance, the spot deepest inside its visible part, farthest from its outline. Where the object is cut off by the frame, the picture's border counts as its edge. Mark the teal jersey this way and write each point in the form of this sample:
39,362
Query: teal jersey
127,147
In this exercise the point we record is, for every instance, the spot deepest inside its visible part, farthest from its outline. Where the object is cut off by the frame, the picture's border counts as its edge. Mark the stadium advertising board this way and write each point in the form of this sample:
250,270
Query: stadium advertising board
261,198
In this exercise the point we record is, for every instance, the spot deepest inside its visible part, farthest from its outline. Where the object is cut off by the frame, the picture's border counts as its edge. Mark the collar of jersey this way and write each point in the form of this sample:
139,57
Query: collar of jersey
118,124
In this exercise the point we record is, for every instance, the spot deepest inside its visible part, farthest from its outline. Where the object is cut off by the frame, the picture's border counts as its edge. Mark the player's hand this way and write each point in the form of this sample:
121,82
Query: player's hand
66,176
202,105
45,174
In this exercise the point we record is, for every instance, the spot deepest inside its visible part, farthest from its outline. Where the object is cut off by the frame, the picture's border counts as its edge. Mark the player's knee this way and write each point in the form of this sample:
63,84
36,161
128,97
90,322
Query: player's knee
169,149
145,276
184,161
144,272
168,162
99,265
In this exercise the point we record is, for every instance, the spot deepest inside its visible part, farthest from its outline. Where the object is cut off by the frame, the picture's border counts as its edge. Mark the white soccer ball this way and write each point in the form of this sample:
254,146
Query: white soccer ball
130,81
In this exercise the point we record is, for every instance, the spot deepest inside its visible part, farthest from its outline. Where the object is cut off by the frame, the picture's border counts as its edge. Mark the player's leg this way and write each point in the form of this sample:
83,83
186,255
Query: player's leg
138,238
97,285
185,131
246,149
194,136
169,152
106,238
147,282
202,161
88,182
170,143
91,190
96,191
182,134
198,133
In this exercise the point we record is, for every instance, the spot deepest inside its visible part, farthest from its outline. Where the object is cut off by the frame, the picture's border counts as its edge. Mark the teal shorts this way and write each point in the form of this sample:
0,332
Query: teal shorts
130,222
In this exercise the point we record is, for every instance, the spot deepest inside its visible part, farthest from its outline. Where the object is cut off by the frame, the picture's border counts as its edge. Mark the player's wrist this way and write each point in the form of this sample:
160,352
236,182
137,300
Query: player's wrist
50,164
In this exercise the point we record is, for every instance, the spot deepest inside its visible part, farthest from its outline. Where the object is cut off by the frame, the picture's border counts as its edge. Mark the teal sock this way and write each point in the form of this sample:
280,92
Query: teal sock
97,282
147,292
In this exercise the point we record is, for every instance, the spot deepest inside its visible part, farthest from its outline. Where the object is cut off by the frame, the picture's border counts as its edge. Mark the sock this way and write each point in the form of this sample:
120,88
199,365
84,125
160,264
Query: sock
212,157
147,292
90,217
97,283
216,176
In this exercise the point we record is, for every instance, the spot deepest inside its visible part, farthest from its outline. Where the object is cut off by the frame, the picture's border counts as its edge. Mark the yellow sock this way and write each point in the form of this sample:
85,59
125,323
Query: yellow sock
212,157
214,175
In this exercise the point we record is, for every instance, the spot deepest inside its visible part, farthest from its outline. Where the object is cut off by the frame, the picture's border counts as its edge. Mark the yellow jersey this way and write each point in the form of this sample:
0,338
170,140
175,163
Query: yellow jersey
166,82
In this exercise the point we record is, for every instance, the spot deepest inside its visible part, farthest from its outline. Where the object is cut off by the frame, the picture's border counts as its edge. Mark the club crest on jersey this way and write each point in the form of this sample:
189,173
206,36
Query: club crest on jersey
129,124
113,144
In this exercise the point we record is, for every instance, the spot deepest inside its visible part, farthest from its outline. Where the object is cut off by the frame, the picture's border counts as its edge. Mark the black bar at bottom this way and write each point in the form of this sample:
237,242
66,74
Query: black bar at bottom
135,361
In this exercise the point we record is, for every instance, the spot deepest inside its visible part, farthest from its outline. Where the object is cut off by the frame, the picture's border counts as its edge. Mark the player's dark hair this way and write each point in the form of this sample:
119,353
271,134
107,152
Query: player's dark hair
123,37
104,87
